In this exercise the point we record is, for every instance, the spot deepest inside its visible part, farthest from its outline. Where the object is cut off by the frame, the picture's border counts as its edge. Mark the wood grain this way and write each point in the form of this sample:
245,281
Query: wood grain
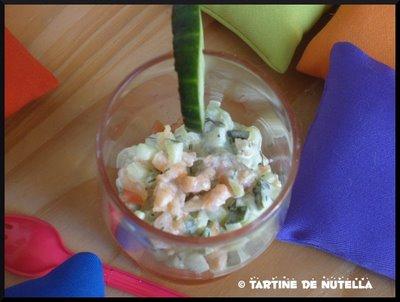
50,164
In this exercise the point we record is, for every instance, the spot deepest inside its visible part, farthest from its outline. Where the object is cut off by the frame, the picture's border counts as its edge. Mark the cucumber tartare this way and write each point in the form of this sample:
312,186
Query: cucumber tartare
198,184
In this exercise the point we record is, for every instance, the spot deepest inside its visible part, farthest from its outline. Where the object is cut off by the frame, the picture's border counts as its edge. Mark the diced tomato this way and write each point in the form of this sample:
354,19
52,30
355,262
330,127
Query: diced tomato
177,124
223,179
132,197
264,169
157,127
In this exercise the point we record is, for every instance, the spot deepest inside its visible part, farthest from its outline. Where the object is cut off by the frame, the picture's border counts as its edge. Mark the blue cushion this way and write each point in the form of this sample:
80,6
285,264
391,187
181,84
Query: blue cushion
79,276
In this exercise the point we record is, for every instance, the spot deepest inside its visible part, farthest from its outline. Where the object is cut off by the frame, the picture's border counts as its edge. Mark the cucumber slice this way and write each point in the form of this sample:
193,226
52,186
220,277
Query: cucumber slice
176,262
137,172
190,225
261,191
188,44
201,219
196,263
140,214
174,151
233,226
236,215
237,188
145,152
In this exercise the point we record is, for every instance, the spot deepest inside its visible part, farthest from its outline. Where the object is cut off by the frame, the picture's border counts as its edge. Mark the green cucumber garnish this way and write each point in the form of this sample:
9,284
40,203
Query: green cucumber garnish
188,44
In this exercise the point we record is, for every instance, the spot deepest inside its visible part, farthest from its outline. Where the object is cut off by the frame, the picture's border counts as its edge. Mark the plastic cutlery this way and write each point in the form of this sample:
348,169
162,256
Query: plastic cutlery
33,248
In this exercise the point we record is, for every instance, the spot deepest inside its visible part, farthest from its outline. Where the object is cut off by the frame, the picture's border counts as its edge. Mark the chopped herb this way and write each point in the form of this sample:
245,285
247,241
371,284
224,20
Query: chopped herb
216,123
231,203
260,192
235,173
236,215
197,167
243,134
173,140
208,229
151,178
151,216
206,232
190,225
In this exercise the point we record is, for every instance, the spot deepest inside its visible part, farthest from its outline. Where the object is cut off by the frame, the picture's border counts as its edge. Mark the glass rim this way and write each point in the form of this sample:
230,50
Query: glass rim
225,236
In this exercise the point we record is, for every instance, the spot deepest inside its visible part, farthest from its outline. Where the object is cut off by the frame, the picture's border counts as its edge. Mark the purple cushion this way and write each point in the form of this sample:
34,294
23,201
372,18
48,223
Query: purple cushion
343,199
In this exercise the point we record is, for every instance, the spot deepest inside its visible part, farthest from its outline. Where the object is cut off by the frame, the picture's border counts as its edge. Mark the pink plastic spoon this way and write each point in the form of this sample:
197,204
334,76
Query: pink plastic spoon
33,248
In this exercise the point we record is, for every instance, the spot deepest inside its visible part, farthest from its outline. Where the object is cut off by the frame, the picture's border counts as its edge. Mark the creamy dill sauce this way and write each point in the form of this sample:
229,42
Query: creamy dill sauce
193,184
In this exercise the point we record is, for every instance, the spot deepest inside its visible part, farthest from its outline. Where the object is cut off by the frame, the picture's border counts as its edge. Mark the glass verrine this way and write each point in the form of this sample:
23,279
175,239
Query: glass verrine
150,93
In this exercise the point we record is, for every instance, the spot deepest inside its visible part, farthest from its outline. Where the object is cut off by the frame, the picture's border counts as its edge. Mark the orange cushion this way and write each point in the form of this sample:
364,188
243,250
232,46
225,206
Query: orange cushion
25,78
370,27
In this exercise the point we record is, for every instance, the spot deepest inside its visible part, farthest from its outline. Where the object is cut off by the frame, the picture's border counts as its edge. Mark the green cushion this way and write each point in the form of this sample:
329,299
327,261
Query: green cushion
272,31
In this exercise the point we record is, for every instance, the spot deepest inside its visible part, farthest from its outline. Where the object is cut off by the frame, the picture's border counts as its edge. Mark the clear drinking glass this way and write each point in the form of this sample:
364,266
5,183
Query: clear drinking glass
150,93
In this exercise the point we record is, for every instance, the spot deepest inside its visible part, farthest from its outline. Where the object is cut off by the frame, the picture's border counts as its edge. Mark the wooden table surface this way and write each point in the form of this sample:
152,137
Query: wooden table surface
50,168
